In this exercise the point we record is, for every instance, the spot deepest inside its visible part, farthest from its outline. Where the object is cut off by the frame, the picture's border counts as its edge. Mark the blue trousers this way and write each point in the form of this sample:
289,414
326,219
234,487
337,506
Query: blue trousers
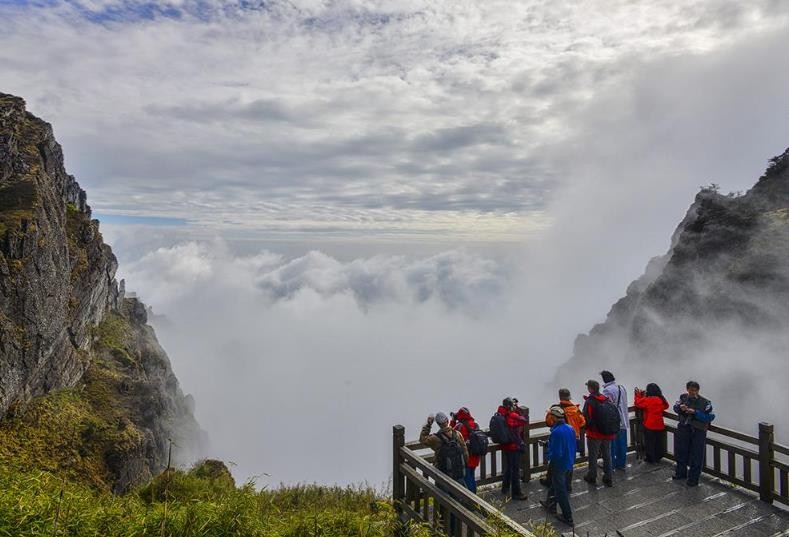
557,492
619,449
689,450
470,480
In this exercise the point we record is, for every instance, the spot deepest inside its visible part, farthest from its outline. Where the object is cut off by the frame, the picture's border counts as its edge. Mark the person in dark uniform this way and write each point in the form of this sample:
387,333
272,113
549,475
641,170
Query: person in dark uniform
690,440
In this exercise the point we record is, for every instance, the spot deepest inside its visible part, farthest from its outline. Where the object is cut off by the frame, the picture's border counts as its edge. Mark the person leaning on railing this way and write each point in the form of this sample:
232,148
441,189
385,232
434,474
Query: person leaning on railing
695,415
653,404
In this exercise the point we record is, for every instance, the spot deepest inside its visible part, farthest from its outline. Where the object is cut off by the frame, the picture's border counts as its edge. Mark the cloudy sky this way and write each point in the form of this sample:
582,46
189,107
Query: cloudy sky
413,118
305,186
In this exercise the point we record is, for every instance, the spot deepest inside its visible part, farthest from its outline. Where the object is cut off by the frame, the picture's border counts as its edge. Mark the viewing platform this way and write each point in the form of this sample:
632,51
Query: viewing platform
646,502
744,490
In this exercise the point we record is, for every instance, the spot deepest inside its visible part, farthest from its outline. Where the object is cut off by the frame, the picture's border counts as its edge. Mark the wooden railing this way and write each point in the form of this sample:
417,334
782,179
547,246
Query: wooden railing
423,493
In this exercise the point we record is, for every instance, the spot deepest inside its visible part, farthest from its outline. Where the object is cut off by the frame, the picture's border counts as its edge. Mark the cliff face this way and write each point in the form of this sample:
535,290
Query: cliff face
58,295
716,306
56,274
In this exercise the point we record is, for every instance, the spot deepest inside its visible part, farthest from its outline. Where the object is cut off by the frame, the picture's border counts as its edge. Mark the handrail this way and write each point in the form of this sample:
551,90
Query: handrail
466,498
456,507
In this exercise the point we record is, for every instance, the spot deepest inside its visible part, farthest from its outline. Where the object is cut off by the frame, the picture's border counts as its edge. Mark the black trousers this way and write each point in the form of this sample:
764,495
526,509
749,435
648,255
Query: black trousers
512,472
689,449
654,445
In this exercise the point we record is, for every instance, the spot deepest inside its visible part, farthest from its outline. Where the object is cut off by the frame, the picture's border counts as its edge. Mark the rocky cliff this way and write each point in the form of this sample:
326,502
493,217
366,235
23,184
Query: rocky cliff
65,325
715,307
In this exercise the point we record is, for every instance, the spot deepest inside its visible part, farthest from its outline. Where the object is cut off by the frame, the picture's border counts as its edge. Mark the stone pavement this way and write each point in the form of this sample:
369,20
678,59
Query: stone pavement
645,502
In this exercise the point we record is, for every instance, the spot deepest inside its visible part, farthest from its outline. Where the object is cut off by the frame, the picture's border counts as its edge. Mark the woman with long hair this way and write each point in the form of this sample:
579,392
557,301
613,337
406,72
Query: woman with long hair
653,404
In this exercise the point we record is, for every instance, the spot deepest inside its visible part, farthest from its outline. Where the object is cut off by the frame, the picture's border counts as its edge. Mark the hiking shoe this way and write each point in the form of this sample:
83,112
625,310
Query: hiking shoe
591,480
550,506
520,497
693,483
607,482
562,518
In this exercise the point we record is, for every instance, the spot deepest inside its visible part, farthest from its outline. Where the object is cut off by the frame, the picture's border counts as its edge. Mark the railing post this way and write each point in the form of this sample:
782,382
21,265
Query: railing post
766,454
526,458
398,479
638,434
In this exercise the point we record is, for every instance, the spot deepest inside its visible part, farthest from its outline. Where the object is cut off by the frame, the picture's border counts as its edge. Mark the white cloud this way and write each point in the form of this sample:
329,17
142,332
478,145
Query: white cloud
365,117
273,349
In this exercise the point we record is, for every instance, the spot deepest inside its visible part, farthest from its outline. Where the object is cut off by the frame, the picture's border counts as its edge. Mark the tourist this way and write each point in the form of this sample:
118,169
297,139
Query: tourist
506,427
463,422
690,439
574,418
602,425
448,445
450,452
653,404
561,458
617,394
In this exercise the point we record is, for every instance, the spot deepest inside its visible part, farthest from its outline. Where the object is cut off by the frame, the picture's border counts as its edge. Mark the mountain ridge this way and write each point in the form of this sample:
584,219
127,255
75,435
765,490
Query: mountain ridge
66,325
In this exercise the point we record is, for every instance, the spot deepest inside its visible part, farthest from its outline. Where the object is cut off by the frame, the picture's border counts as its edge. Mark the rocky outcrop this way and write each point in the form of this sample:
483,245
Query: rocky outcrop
56,274
57,287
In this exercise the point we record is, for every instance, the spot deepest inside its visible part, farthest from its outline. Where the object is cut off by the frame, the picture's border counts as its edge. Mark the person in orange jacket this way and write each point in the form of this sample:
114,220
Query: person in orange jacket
572,413
653,404
574,418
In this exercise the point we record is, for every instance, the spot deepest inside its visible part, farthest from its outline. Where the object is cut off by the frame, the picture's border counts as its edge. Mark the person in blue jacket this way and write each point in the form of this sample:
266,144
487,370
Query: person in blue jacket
561,458
690,439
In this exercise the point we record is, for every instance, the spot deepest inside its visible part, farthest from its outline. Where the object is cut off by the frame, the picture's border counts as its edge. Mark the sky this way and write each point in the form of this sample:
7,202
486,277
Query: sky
318,196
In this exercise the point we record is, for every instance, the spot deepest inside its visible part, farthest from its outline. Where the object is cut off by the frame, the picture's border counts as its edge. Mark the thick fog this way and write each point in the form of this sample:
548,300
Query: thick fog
300,367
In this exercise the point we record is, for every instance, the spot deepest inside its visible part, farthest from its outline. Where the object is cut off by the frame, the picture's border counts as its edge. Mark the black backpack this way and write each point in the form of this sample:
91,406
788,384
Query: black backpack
477,440
450,456
605,416
499,429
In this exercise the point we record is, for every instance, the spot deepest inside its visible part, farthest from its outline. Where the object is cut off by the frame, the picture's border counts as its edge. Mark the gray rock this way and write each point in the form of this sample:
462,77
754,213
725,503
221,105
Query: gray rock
57,284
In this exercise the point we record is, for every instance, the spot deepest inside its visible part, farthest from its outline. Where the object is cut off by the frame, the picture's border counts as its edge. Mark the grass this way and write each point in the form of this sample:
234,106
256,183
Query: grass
196,505
201,502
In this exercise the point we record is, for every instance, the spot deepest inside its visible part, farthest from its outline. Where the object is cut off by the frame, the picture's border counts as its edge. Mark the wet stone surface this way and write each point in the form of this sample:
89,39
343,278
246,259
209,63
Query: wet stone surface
646,502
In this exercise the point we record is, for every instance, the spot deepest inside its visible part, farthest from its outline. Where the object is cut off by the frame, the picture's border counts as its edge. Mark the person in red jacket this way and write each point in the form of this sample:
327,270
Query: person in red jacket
597,443
653,404
463,422
512,451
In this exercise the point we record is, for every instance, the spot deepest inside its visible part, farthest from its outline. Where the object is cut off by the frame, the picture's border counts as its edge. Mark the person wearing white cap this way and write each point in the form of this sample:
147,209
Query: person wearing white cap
561,458
448,445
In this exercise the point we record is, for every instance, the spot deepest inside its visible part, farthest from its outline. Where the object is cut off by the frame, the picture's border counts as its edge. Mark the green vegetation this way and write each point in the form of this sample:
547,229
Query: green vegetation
78,255
16,205
113,334
196,505
202,502
76,433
